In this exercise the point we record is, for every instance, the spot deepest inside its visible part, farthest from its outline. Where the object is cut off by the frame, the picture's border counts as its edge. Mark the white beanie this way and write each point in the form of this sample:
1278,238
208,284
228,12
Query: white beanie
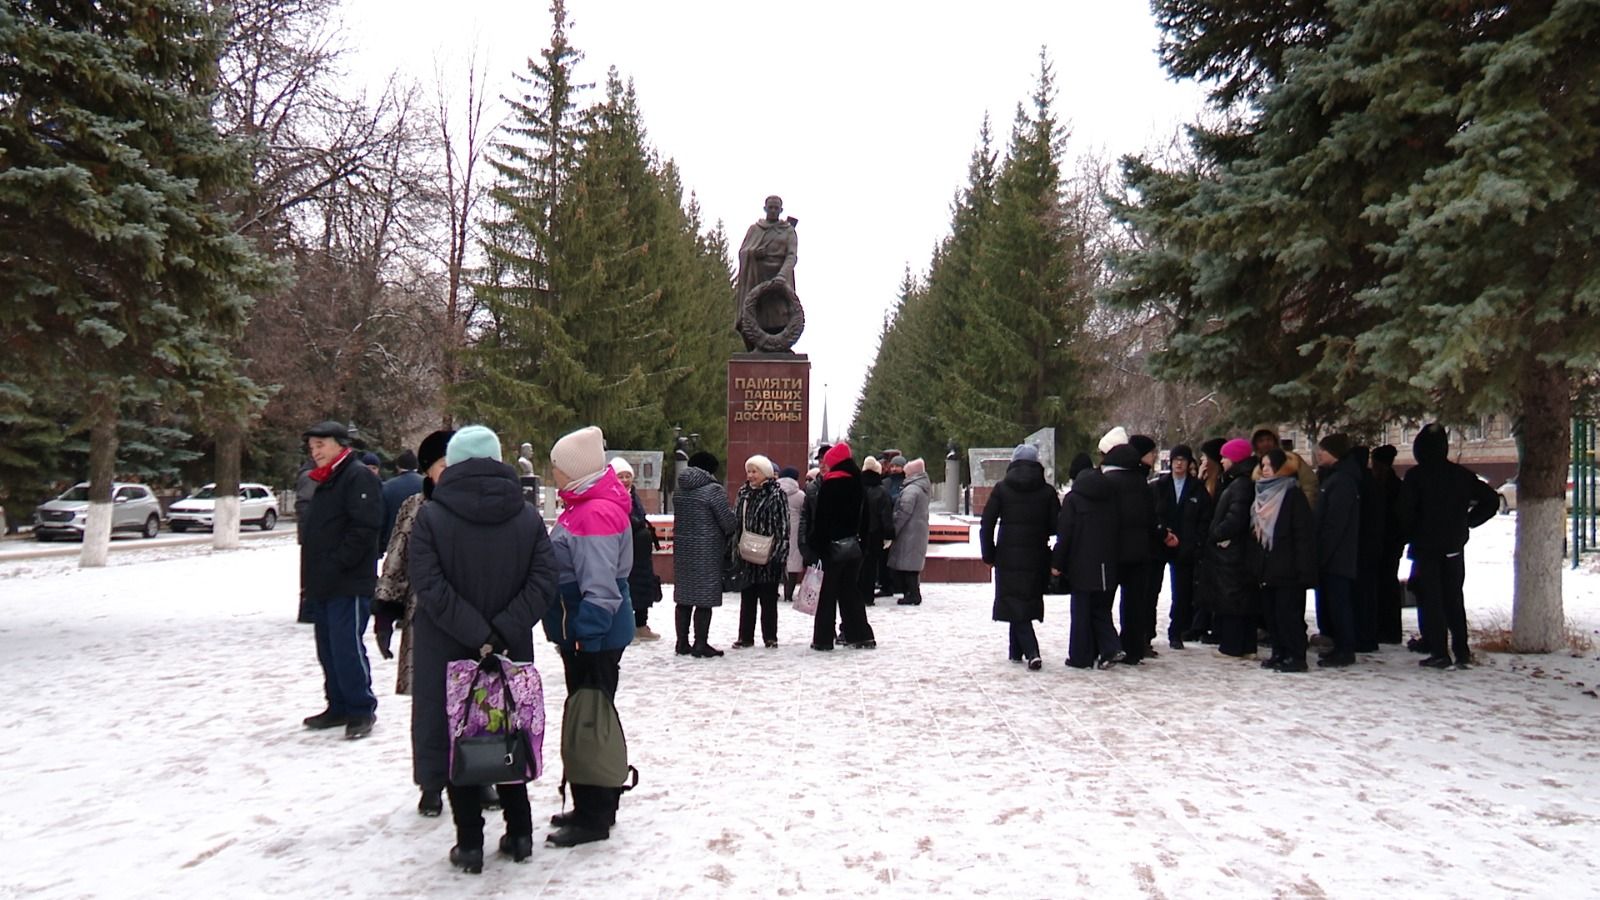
1116,437
760,464
619,466
871,464
580,454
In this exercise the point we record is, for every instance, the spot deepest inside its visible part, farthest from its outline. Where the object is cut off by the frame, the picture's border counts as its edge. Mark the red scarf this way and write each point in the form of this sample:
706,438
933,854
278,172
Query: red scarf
322,474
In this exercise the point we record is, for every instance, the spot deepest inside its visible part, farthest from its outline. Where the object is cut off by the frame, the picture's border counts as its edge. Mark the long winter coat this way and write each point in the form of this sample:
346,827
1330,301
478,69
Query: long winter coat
1138,535
910,550
795,500
593,544
1227,584
1292,561
1024,507
1338,515
394,585
763,510
879,509
484,572
701,526
644,585
1086,534
339,547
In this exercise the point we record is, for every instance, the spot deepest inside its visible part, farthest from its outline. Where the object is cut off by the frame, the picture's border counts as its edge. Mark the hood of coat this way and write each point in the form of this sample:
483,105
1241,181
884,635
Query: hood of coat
1244,468
789,486
1093,485
921,478
691,478
871,479
1026,475
608,491
1432,445
1348,466
480,490
1122,456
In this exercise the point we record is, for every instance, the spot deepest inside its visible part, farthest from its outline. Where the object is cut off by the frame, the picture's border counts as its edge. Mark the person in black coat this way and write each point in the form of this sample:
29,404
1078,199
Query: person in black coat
644,586
877,529
837,521
339,569
1233,594
1137,537
1183,508
1440,502
1284,555
1391,546
1338,515
1086,556
1368,554
1024,506
484,572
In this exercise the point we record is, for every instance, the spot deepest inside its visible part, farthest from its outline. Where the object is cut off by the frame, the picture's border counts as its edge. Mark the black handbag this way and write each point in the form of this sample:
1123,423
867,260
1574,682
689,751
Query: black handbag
844,550
489,759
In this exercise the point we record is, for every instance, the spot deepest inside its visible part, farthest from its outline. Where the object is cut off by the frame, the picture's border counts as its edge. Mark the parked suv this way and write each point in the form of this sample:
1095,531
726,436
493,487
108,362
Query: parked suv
257,506
133,508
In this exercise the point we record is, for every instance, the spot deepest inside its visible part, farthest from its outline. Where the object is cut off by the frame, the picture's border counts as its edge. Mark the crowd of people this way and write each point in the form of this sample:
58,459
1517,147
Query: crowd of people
1240,531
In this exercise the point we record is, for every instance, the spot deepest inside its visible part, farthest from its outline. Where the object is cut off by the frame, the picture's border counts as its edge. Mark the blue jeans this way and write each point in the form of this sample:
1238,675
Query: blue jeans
339,623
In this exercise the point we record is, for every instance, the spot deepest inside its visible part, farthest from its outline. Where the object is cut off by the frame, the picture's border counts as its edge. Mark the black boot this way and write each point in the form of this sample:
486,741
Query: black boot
702,631
467,854
468,860
517,846
682,614
430,804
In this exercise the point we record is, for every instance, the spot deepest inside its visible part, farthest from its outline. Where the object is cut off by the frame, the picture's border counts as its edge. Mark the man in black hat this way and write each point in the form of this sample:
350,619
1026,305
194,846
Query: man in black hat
339,567
1184,508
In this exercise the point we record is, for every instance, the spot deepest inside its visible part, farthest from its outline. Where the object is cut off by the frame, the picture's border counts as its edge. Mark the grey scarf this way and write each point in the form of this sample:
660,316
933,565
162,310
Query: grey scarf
1269,501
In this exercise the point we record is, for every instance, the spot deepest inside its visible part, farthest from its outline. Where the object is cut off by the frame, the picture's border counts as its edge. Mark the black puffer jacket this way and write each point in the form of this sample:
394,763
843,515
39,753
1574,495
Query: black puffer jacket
484,571
339,541
644,585
1024,507
1086,534
879,512
1339,517
1137,533
1440,501
1228,586
1292,561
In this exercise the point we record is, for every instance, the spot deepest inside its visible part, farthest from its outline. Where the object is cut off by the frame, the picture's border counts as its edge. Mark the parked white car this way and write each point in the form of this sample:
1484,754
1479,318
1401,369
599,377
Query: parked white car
257,506
133,508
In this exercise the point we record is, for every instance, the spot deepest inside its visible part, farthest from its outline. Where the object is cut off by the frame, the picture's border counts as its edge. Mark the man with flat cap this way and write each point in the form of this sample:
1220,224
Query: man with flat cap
339,567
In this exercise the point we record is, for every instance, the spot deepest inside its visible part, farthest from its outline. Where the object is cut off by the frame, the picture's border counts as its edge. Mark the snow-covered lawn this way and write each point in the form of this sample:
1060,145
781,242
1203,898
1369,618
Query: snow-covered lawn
152,746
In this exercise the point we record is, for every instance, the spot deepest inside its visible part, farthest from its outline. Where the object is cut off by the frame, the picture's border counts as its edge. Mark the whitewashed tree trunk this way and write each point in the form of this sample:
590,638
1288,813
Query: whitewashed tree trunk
1538,620
225,523
96,537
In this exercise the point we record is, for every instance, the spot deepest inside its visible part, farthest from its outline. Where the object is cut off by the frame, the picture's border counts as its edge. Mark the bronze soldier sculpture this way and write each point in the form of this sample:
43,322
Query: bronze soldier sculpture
767,312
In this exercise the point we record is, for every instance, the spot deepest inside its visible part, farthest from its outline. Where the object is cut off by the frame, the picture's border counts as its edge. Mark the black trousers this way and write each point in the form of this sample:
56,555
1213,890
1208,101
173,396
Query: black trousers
1138,620
1091,635
1235,632
1180,615
466,808
594,805
872,559
1336,599
1438,581
1391,598
1288,608
641,616
1024,641
910,584
841,604
765,595
888,579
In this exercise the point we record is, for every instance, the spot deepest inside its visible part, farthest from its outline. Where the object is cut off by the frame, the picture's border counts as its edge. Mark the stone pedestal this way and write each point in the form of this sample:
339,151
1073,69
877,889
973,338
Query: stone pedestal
769,402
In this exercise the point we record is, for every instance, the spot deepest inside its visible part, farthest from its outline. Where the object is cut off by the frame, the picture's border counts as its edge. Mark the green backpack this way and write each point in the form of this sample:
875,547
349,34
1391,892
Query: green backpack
594,750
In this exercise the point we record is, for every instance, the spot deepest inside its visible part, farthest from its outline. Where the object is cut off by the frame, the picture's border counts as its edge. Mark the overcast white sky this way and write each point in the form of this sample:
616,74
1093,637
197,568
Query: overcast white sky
862,115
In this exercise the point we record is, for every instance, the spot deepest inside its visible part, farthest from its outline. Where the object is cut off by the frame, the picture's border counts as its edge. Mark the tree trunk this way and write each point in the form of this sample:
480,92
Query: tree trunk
102,472
225,508
1538,624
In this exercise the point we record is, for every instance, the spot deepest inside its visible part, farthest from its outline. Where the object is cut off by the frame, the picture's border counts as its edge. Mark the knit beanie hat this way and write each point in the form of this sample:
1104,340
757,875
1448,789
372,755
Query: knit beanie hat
1236,450
1385,454
406,461
1116,437
898,461
1079,463
1181,451
704,461
1337,444
836,454
916,467
760,464
579,454
371,459
472,442
872,465
432,448
1027,452
619,466
789,472
1212,449
1142,443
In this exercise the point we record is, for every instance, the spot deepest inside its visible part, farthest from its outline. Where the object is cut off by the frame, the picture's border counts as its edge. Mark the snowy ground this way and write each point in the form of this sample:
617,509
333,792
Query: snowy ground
154,747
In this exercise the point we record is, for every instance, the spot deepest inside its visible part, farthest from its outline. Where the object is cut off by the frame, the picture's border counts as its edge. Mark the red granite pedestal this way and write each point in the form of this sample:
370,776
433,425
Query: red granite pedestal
769,402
